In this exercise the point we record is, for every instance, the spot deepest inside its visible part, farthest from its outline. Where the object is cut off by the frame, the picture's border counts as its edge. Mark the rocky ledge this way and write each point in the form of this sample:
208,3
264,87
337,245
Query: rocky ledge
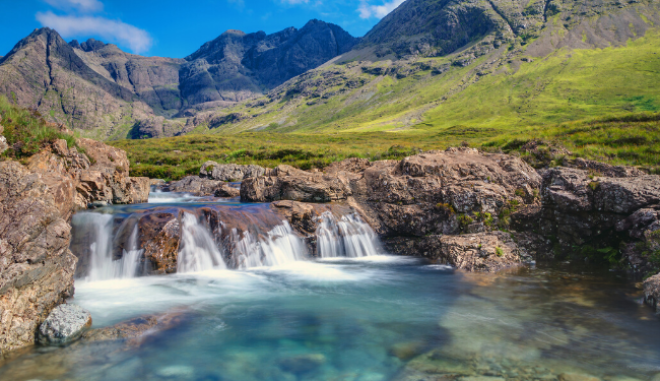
37,200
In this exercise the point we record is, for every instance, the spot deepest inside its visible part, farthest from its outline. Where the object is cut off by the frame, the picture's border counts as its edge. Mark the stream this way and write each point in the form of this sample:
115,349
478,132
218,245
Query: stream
257,307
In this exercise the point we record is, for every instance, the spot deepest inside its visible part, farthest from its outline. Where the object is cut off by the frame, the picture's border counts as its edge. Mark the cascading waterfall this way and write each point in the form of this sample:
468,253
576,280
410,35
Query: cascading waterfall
102,266
349,237
198,251
279,246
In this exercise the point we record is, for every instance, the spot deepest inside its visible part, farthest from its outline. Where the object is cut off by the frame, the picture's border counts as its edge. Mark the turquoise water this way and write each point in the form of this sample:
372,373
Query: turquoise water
371,318
378,318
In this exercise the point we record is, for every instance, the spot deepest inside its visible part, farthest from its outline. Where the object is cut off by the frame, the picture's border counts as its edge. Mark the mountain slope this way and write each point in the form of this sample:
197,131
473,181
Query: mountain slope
573,60
103,92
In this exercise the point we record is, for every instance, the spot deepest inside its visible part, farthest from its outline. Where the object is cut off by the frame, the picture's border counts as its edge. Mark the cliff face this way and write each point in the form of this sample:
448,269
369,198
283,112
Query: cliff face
37,201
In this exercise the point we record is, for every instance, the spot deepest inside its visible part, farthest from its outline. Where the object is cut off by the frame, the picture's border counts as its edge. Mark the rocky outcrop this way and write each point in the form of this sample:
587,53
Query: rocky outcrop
579,208
288,183
200,186
230,172
36,267
37,201
65,324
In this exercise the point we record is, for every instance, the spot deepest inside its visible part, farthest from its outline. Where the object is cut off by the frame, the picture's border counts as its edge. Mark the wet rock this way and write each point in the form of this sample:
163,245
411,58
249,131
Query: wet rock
177,372
481,378
577,377
135,331
230,172
225,190
65,324
303,363
652,293
475,252
407,350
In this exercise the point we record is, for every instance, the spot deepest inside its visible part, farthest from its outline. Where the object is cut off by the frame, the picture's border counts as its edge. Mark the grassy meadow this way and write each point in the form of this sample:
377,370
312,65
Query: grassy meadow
633,140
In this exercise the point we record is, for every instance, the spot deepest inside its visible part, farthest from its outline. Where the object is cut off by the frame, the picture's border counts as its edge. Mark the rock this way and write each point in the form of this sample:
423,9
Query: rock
225,190
407,350
36,202
135,331
199,186
577,377
288,183
474,252
3,144
652,292
480,378
36,265
303,363
65,324
230,172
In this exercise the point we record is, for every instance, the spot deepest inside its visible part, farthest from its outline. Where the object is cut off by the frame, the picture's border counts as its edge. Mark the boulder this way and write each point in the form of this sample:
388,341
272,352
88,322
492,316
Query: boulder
485,252
225,190
230,172
199,186
288,183
65,324
652,292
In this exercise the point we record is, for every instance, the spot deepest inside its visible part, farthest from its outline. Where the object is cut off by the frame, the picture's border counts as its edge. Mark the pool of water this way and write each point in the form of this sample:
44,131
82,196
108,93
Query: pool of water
373,318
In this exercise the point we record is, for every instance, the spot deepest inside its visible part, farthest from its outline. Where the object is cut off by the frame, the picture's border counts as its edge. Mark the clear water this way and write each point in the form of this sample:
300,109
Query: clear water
371,318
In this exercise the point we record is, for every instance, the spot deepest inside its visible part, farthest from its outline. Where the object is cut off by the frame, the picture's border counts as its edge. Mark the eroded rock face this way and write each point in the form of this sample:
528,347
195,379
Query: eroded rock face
230,172
65,324
36,267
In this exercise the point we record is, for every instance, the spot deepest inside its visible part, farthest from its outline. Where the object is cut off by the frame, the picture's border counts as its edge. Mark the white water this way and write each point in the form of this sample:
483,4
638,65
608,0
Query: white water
348,237
278,247
198,251
201,249
102,266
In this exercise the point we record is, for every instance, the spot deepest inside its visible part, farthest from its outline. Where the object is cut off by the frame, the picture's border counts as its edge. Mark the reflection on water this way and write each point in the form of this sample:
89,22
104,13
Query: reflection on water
370,318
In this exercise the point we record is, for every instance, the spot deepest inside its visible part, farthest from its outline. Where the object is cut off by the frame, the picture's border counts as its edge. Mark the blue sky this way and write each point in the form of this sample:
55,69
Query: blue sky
175,28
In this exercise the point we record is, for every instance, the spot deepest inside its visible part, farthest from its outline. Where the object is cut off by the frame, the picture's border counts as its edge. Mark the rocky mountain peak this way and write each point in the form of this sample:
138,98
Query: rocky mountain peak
88,46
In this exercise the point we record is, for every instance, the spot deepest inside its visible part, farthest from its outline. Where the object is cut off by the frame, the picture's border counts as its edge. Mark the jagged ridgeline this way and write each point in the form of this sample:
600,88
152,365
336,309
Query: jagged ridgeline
429,65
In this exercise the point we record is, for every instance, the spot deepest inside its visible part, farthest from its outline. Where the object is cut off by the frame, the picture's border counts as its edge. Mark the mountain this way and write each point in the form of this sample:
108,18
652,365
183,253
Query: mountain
106,93
479,67
472,67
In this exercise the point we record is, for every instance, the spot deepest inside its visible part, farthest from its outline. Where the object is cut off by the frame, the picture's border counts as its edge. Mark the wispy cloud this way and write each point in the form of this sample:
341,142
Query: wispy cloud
87,6
293,2
116,31
379,11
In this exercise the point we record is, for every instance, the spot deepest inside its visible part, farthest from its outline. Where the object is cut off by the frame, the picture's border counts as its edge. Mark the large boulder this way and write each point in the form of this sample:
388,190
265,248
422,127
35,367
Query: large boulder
230,172
65,324
486,251
288,183
652,292
200,186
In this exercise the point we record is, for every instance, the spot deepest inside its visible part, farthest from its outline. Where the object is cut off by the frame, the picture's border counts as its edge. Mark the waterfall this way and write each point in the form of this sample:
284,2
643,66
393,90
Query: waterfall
102,266
198,251
277,247
350,237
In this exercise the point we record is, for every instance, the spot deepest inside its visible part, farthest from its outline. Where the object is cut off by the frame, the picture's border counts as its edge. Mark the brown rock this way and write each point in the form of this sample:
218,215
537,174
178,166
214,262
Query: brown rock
36,266
225,190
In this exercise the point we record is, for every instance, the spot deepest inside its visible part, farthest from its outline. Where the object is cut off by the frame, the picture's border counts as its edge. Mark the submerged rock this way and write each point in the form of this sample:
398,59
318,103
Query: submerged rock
197,186
577,377
303,363
65,324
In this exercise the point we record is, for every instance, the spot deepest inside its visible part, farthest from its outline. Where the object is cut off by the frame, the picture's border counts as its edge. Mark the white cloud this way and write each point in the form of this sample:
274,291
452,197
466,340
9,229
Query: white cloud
293,2
136,39
379,11
79,5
